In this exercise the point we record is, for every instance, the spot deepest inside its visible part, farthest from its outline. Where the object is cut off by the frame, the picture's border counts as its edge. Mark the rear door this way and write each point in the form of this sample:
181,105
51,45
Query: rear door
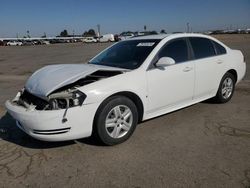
207,67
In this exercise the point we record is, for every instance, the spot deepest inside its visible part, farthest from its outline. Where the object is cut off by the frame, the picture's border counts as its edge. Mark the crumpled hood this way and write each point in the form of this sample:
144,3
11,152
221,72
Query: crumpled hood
52,77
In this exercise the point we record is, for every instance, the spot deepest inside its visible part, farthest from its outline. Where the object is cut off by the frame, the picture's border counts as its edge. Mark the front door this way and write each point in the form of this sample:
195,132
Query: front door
172,85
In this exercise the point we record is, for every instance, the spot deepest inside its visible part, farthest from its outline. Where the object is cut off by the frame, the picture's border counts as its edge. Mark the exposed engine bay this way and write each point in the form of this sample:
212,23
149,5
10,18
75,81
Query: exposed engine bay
63,98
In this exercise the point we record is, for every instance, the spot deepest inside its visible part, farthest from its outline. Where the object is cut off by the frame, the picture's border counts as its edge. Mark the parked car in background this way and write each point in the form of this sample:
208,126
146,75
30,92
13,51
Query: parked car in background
107,38
126,36
27,43
90,40
56,41
116,37
37,42
75,40
14,43
134,80
46,42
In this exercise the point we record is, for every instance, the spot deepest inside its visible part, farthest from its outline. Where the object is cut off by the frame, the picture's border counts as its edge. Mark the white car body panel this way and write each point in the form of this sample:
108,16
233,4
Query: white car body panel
160,90
103,89
53,77
78,119
177,90
234,61
207,75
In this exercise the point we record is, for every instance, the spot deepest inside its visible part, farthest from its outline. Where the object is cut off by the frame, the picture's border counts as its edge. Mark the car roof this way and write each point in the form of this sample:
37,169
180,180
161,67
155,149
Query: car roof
162,36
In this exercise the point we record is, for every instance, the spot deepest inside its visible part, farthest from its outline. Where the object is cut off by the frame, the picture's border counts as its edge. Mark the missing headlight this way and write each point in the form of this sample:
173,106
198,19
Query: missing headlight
66,99
58,100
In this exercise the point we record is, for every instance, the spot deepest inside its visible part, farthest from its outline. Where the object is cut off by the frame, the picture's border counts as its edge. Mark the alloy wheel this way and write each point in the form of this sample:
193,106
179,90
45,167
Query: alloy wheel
227,88
119,121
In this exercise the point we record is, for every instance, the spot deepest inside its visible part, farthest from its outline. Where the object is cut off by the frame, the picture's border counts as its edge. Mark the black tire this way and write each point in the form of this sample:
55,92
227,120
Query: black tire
100,130
219,98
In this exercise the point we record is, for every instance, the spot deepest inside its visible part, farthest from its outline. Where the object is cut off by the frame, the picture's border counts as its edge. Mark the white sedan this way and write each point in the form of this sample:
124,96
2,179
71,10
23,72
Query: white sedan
131,81
89,40
14,43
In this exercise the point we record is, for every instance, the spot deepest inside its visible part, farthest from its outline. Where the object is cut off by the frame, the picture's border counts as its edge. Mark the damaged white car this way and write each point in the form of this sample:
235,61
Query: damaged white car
131,81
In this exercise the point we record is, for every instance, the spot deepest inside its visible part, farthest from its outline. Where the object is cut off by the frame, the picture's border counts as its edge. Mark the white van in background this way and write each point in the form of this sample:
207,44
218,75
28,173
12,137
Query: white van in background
107,38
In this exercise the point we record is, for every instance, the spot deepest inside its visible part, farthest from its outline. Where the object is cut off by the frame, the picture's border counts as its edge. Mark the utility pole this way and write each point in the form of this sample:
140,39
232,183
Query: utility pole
187,27
28,34
98,30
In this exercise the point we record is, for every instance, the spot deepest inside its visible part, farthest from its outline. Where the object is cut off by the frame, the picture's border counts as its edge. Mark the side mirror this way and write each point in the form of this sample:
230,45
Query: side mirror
165,61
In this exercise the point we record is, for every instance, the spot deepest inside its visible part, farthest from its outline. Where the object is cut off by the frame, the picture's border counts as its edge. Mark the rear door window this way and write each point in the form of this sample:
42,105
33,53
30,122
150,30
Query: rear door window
202,47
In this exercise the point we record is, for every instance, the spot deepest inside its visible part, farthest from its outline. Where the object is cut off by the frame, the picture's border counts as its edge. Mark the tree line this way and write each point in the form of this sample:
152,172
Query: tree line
89,33
92,33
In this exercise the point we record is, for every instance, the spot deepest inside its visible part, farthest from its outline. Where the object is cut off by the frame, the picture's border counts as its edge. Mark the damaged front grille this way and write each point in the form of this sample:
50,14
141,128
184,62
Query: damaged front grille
61,100
26,99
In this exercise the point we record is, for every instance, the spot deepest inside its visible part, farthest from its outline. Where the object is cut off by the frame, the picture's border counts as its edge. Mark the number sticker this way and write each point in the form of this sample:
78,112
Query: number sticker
146,44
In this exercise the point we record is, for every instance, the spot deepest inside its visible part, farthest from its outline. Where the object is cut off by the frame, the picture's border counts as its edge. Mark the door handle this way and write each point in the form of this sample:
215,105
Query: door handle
187,69
219,61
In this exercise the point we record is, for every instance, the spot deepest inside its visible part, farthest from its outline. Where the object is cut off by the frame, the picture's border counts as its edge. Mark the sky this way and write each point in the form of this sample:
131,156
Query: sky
114,16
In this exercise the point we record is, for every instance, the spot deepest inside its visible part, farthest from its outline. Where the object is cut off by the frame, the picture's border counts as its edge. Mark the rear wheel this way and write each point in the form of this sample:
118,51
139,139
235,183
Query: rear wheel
226,88
116,120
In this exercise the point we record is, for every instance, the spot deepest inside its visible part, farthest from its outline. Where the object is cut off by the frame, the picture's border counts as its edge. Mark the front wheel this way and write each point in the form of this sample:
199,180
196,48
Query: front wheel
116,120
226,88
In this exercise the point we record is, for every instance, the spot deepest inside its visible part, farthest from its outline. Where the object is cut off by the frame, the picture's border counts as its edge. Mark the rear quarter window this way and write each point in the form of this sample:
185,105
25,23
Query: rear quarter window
202,47
220,50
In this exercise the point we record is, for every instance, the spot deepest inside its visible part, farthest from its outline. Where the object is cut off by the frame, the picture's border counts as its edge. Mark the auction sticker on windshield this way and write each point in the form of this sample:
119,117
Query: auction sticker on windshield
146,44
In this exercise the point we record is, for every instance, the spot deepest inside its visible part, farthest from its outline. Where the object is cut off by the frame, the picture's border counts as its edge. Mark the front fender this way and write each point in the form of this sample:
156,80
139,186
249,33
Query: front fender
134,82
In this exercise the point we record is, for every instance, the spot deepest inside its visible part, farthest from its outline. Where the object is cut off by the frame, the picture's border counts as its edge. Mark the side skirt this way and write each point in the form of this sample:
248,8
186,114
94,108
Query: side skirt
168,109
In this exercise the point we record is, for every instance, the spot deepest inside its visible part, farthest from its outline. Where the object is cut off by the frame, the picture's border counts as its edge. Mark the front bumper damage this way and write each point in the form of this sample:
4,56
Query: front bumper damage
50,125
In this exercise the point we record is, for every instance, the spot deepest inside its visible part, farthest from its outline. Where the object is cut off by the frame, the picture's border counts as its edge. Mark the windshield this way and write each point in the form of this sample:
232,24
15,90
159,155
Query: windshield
126,54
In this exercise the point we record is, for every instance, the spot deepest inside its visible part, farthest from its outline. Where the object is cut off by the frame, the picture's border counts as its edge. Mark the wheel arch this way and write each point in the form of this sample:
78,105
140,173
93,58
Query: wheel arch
231,71
132,96
234,73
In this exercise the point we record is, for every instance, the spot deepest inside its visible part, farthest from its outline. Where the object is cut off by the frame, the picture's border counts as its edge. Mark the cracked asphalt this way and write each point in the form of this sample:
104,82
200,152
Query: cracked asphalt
204,145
